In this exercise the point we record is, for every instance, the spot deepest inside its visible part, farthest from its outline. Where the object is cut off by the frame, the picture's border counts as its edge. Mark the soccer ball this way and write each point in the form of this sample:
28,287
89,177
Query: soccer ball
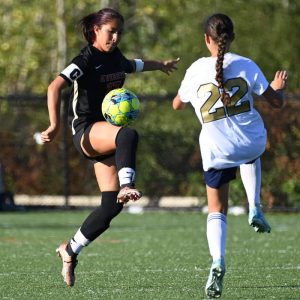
120,107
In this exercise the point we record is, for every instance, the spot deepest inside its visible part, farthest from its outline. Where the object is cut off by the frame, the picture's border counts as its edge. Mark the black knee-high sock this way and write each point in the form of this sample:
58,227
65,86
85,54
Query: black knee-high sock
99,219
126,142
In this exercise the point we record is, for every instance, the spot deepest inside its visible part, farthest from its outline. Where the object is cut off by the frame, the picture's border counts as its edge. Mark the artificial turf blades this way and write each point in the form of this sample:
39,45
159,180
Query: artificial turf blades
156,255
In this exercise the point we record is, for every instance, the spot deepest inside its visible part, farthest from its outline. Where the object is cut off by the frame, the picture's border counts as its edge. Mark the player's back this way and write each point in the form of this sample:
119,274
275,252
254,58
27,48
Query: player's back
234,134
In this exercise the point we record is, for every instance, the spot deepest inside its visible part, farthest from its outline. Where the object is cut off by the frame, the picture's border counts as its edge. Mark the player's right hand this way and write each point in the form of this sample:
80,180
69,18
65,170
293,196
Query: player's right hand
49,134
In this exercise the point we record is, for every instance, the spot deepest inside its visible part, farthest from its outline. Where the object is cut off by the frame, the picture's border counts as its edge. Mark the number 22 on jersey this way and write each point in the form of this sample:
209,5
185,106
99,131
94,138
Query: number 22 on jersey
237,86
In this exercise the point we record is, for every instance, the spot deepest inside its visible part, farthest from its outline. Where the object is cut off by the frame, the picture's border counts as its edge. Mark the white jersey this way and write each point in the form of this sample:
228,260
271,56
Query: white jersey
234,135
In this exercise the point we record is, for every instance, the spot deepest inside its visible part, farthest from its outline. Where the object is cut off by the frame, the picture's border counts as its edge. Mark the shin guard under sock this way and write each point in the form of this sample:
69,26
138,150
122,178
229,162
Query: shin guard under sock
251,178
99,219
126,142
216,234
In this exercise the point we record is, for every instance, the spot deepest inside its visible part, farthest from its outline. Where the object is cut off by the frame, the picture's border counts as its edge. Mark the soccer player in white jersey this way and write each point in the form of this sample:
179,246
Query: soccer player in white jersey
220,89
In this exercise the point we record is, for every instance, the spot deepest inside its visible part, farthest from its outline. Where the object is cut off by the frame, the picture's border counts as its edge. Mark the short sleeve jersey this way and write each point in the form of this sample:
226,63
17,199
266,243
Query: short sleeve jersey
233,135
92,75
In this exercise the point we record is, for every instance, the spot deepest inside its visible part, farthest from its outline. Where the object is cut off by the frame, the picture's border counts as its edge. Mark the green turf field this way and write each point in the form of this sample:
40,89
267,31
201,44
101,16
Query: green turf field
157,255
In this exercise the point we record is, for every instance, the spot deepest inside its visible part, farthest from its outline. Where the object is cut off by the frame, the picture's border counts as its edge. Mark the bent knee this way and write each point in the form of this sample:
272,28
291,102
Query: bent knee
127,134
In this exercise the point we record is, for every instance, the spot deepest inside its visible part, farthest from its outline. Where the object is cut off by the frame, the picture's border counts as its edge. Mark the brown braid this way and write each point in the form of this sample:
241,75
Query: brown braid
220,28
222,42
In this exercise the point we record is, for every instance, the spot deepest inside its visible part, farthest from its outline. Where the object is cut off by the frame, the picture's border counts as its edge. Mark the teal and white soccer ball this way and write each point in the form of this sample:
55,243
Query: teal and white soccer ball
120,107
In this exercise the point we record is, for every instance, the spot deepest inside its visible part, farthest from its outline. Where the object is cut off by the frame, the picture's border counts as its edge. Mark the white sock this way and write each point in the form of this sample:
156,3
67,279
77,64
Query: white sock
126,176
216,234
78,242
251,178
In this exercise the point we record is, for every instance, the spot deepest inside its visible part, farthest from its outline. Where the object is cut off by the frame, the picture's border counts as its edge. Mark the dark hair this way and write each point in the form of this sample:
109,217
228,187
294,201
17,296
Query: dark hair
99,18
220,28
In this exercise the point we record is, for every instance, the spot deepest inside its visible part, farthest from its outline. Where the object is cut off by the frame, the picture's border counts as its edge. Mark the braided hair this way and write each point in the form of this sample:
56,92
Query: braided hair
220,28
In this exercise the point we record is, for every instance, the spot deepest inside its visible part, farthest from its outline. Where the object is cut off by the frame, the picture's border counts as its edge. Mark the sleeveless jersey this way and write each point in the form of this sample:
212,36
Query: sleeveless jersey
229,136
92,75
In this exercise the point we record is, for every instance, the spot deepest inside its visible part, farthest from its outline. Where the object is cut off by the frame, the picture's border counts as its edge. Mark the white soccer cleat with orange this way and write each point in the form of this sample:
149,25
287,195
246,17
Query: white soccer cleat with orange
128,193
69,264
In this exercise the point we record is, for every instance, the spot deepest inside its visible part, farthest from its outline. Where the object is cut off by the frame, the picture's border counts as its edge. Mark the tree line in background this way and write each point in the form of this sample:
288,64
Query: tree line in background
32,51
169,161
33,33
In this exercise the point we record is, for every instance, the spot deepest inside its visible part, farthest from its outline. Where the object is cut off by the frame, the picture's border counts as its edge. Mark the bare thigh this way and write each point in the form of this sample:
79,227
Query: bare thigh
107,175
99,139
217,199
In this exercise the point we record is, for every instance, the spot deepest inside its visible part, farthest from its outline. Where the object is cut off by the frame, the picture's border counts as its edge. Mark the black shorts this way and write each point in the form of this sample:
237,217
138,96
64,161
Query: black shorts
77,143
216,178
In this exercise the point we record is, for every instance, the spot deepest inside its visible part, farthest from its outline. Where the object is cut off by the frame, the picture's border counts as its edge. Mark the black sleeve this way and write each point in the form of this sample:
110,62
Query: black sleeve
127,65
75,69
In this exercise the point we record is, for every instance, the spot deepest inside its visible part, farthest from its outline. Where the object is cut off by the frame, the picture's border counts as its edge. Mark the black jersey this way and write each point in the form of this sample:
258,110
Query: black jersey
92,75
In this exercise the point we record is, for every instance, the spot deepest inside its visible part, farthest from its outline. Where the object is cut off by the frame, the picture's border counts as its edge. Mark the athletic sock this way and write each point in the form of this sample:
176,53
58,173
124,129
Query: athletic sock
126,177
251,178
126,142
96,223
77,243
99,219
216,234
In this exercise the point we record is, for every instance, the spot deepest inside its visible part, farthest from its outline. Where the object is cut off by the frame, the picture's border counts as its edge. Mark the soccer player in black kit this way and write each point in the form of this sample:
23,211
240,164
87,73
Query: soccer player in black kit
99,68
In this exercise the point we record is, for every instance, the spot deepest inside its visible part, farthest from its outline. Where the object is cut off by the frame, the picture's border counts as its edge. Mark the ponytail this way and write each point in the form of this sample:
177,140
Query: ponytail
99,18
220,28
222,42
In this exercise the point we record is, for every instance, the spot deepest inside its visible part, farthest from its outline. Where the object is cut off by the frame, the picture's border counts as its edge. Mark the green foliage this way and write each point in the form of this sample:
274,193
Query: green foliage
156,29
168,160
281,162
168,140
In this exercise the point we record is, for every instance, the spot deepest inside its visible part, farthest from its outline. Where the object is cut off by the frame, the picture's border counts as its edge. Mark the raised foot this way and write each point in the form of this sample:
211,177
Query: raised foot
128,193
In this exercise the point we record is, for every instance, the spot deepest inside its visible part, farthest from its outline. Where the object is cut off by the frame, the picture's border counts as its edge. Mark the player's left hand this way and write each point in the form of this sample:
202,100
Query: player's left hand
280,80
168,66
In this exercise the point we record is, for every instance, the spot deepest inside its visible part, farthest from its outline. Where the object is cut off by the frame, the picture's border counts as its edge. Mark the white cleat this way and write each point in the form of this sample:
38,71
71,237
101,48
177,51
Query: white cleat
127,193
68,265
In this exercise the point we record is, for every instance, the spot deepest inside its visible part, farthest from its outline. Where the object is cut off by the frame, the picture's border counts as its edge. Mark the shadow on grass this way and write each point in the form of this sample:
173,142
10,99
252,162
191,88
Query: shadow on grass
270,287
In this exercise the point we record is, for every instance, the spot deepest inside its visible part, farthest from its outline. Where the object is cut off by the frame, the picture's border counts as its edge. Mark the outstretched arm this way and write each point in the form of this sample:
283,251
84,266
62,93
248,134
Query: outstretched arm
274,93
54,98
166,66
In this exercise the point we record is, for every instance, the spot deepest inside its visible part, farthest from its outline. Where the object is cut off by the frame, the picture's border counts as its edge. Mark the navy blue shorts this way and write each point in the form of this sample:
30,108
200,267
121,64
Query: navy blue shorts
77,143
216,178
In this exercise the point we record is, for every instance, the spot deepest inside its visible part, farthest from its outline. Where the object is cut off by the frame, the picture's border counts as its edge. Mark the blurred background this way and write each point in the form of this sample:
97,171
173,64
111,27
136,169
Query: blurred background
39,38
